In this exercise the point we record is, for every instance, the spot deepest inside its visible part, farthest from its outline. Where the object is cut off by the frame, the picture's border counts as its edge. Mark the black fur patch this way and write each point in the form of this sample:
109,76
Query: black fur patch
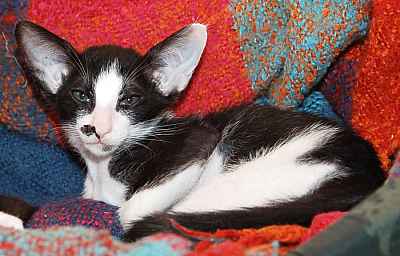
16,207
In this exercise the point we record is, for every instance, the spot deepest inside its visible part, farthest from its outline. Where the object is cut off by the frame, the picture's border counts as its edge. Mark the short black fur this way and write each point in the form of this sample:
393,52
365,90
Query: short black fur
16,207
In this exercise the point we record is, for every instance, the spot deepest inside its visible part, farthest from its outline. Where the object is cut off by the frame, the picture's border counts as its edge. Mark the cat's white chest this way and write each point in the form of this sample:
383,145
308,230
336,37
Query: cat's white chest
100,186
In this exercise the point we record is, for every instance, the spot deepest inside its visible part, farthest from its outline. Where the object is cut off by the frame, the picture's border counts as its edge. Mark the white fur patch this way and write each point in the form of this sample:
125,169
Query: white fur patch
99,185
161,197
10,221
108,86
213,167
52,74
272,175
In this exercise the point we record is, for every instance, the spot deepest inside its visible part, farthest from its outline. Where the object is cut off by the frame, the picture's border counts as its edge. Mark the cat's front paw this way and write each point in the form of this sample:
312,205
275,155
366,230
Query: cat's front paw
10,221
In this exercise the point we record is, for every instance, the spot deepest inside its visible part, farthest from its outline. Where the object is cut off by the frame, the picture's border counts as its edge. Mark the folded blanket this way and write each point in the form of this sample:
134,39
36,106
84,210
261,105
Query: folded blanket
37,172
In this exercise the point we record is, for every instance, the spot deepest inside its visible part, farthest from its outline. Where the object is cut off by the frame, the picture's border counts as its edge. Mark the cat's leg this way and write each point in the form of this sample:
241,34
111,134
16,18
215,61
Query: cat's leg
14,212
156,200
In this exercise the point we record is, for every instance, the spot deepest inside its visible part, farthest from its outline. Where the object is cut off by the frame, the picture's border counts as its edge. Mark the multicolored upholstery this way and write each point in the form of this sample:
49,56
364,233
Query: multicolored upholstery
288,53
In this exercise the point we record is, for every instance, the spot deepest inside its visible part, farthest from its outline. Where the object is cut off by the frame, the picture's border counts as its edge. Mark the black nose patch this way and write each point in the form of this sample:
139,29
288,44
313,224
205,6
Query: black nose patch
89,130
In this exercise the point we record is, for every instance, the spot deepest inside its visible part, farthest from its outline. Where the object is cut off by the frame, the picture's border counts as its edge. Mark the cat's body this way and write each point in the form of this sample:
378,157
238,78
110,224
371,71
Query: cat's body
247,166
212,172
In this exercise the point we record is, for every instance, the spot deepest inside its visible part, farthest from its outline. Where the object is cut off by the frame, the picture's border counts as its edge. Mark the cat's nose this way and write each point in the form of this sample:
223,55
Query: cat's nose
102,132
89,130
102,121
102,129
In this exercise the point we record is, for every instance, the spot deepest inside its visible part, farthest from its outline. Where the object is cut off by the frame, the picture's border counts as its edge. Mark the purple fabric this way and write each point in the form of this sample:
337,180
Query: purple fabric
76,211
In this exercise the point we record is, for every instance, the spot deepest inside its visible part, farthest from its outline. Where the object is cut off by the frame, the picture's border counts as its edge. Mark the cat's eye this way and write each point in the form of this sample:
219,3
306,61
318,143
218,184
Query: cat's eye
130,100
80,96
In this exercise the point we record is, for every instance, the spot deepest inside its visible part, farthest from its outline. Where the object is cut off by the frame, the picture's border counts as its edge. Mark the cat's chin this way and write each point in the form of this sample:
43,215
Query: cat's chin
100,150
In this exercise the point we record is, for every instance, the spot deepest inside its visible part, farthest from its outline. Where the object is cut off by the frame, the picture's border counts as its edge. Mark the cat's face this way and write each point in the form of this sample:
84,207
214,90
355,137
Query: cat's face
109,96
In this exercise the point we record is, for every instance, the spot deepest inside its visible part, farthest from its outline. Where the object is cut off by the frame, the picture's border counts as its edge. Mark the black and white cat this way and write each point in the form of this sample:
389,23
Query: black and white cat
247,166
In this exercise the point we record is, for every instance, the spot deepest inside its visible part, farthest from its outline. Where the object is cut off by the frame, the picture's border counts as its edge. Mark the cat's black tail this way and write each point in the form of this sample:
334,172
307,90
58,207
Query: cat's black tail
335,195
280,214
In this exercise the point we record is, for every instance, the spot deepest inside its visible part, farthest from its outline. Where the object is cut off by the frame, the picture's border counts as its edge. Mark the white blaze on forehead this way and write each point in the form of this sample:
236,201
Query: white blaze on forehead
108,86
107,89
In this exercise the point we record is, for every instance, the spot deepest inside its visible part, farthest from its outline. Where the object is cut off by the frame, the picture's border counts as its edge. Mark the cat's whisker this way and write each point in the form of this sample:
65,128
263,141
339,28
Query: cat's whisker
74,60
131,73
131,141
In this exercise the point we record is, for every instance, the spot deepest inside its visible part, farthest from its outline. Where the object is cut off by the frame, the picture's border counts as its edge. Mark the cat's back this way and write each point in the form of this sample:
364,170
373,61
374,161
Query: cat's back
270,156
254,130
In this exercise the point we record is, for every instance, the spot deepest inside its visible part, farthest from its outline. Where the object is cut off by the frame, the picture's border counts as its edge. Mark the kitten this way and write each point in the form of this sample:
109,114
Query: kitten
247,166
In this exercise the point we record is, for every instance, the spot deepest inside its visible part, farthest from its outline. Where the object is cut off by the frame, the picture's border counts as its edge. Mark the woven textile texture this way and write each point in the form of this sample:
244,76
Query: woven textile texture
277,50
57,240
36,171
288,45
18,110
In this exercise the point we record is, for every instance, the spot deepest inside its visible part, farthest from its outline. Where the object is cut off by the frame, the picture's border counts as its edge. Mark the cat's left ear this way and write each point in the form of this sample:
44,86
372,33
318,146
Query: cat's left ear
45,56
173,61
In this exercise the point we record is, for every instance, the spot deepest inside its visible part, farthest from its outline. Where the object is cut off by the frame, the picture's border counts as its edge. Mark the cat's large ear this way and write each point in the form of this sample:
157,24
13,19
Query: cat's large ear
173,61
47,57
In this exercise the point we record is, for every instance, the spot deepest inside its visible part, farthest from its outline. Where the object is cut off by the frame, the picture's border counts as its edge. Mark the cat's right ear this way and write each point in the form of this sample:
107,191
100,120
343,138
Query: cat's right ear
173,61
45,56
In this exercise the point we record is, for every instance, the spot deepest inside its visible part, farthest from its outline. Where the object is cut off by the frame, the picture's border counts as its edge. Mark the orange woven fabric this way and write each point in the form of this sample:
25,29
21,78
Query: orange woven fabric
241,242
376,94
270,240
